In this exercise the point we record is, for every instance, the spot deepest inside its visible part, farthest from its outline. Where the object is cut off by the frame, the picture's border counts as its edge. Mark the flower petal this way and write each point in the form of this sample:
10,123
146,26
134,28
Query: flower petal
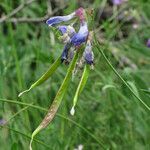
62,29
81,36
88,54
67,29
55,20
64,55
80,13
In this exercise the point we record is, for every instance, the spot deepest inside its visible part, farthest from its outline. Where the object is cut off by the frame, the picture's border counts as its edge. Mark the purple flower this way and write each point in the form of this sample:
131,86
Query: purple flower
80,37
67,29
67,33
148,43
117,2
64,55
81,14
55,20
88,53
62,29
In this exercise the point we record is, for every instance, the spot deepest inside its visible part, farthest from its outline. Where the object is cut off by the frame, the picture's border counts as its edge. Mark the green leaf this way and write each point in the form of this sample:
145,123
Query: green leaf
56,102
45,76
81,86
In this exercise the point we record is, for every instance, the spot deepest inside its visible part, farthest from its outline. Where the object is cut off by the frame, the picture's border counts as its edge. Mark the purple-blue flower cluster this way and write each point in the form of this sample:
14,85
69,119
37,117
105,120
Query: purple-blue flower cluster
74,39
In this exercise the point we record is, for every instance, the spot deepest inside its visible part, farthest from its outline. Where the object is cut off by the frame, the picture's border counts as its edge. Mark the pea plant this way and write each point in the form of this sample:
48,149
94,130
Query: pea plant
78,42
77,53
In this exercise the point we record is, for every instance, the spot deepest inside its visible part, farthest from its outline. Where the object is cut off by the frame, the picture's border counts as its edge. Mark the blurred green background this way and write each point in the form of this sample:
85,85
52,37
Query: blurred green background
106,112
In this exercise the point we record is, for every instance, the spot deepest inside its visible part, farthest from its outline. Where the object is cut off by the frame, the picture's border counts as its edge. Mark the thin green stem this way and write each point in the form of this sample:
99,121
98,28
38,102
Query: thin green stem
59,115
17,113
115,71
29,137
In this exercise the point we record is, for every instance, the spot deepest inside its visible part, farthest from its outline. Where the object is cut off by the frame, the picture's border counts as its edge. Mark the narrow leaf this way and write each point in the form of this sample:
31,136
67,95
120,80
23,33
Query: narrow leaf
81,86
56,102
146,91
97,44
45,76
59,115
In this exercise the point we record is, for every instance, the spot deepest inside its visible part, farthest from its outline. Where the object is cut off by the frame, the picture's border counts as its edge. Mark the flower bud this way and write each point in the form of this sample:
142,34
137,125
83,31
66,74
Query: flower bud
88,54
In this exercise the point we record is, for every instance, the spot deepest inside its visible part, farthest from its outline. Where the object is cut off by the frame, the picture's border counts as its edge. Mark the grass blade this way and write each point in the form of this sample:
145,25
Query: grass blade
146,91
59,115
17,113
18,132
45,76
81,86
55,104
115,71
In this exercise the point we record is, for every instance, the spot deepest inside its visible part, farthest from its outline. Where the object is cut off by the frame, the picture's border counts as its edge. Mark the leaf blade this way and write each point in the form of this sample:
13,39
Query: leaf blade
45,76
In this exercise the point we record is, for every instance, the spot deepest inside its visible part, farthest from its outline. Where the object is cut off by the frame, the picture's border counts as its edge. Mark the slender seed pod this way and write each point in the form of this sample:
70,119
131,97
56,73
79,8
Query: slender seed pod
80,87
59,96
45,76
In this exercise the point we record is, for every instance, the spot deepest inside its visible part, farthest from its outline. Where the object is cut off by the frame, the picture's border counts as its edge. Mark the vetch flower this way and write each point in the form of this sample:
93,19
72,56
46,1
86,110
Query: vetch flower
56,20
64,55
71,54
117,2
62,29
148,43
81,14
67,32
80,37
67,29
88,53
82,34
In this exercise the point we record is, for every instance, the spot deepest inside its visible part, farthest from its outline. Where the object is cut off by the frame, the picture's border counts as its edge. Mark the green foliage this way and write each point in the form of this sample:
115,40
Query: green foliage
57,100
107,114
45,76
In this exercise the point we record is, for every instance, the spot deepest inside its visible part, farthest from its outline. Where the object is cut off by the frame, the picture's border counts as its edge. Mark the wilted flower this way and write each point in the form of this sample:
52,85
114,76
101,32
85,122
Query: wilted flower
148,43
88,53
